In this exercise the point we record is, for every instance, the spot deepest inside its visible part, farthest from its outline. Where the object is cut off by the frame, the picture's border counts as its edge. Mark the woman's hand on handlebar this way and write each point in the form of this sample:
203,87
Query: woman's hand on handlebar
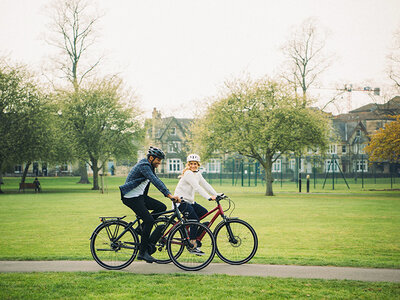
174,199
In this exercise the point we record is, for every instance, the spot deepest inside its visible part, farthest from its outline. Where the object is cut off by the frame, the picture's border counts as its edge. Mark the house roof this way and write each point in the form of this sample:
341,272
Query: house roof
377,110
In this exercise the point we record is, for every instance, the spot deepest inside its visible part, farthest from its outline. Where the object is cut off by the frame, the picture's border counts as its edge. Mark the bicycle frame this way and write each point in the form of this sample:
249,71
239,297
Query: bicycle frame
219,211
176,214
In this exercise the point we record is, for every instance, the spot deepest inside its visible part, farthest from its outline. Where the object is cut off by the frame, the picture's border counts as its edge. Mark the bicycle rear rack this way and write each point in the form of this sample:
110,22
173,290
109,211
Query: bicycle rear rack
105,219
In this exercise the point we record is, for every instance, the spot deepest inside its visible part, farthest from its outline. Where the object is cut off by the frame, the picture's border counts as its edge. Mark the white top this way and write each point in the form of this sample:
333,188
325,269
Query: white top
192,182
137,191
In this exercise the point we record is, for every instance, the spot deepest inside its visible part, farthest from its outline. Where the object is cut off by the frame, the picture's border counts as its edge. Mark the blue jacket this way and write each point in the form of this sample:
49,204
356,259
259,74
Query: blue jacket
140,172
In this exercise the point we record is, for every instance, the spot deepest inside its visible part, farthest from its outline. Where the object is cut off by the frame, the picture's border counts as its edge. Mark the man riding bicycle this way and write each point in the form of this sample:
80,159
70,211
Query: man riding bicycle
134,195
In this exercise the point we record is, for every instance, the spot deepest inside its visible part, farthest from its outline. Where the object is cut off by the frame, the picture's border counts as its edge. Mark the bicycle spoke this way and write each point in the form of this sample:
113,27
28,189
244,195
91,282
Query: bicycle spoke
108,252
236,242
182,254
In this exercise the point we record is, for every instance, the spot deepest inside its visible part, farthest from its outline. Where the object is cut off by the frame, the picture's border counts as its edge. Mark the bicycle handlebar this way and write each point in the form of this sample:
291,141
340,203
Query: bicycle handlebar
219,197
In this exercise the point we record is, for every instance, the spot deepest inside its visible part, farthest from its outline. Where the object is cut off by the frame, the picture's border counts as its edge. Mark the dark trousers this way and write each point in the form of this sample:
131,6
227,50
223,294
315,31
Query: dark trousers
193,211
141,206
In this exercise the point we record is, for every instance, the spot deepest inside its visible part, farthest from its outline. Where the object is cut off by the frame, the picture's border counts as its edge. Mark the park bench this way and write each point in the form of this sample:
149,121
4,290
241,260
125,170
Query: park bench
23,186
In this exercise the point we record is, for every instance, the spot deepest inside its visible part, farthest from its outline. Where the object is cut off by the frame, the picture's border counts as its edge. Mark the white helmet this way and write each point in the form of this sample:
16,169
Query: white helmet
193,157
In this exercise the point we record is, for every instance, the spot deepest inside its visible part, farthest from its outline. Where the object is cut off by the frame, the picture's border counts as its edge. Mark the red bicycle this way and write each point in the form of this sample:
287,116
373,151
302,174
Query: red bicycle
236,240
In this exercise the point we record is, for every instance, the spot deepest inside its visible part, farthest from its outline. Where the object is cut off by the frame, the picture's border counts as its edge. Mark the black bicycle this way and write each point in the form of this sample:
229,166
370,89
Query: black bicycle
114,243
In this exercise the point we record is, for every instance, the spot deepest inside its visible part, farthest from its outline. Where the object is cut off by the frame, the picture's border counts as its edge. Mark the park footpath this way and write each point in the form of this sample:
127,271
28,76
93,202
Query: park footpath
283,271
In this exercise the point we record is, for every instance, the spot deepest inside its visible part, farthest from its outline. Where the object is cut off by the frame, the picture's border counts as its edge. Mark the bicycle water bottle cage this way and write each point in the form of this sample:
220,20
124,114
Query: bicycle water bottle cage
105,219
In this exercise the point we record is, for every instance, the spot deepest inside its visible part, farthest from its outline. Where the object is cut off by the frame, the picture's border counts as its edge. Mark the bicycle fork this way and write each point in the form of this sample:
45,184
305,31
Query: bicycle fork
232,238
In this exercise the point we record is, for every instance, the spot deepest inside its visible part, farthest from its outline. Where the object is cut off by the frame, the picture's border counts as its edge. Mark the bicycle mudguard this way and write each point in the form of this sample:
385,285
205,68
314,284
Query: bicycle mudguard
111,220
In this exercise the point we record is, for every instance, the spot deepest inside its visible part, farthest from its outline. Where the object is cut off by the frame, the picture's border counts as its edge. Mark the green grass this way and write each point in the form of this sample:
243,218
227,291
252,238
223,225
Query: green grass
118,285
336,228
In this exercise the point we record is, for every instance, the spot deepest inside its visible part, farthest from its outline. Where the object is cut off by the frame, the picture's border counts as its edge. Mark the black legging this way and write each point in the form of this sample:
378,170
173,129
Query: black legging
141,206
194,212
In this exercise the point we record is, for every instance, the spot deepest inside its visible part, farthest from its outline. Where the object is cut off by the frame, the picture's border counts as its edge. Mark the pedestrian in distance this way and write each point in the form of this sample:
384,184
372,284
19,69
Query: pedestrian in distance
37,185
134,195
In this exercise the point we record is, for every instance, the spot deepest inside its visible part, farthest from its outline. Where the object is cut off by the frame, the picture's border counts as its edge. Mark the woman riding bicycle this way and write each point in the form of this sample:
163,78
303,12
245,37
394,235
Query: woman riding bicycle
192,181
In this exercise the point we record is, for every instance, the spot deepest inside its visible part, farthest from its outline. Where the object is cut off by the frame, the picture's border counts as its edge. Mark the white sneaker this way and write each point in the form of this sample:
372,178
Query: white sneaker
196,251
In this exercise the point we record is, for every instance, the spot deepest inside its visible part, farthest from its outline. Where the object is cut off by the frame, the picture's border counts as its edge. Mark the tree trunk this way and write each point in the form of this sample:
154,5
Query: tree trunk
268,177
83,173
25,172
95,169
1,176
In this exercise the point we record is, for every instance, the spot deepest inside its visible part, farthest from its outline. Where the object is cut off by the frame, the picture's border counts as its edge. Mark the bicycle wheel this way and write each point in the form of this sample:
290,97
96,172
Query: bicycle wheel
158,241
178,247
110,253
238,248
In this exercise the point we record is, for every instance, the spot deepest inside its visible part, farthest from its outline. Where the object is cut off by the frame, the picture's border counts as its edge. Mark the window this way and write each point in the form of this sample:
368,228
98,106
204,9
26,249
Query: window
64,168
331,165
172,131
174,147
358,132
359,148
362,146
276,166
361,165
174,165
332,149
344,149
18,169
214,166
292,164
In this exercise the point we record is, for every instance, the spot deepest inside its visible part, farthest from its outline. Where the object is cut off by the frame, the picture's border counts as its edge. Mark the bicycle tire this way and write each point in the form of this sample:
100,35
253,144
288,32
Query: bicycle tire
244,246
186,260
114,255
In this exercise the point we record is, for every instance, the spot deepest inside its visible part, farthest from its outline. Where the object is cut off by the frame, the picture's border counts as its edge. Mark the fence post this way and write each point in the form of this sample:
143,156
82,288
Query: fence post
391,176
249,170
314,171
333,173
233,171
362,170
242,167
255,173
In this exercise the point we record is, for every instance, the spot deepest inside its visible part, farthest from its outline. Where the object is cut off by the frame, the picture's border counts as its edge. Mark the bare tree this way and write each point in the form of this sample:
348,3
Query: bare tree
394,61
73,34
305,56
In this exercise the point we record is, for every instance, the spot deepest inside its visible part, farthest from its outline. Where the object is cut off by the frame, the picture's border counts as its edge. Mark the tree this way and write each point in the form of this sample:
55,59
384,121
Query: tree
261,120
101,125
73,28
385,143
394,61
305,57
28,127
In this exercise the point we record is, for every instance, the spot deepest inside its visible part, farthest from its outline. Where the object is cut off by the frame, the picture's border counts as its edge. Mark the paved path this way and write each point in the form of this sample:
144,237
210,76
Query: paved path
363,274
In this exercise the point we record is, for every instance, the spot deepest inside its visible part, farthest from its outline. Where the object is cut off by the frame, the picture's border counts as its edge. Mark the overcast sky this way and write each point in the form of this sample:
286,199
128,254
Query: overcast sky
176,53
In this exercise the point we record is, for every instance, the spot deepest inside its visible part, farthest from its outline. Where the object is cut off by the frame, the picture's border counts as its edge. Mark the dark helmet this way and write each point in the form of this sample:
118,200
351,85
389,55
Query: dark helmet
153,151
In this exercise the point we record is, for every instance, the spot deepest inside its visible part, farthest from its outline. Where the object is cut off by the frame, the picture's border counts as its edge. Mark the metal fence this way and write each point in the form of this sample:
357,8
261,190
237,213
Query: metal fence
319,175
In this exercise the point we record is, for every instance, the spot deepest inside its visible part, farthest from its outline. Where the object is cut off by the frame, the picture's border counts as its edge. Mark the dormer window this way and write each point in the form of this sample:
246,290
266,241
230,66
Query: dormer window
172,131
358,132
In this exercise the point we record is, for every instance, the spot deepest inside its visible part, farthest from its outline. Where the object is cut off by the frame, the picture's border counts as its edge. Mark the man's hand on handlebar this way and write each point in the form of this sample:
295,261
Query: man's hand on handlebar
174,199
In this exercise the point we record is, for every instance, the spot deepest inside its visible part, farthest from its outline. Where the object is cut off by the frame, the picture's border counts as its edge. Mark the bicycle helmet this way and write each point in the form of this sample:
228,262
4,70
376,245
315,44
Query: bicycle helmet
156,152
193,157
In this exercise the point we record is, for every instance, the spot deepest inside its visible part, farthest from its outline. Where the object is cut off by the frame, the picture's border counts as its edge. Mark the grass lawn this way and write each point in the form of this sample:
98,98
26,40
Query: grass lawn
119,285
360,228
